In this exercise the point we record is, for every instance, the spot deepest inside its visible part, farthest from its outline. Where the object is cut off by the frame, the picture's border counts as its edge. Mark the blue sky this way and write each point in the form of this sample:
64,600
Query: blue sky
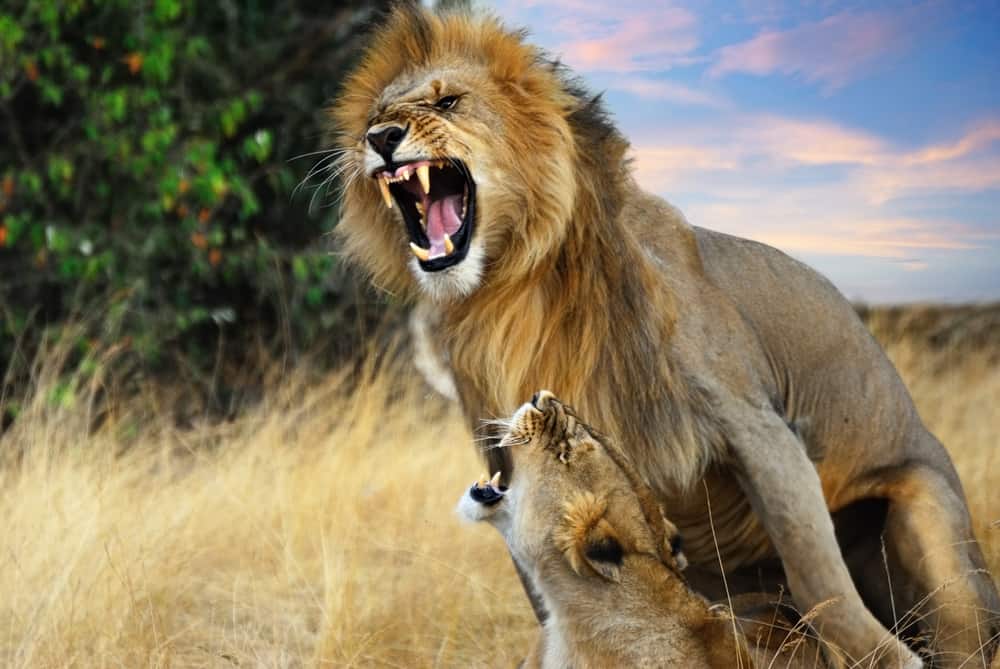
863,138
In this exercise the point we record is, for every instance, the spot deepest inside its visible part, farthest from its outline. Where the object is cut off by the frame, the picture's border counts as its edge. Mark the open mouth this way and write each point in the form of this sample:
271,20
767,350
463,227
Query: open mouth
438,201
488,492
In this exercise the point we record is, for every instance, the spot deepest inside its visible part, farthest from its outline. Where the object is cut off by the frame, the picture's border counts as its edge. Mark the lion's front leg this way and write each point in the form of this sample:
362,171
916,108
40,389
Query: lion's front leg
784,490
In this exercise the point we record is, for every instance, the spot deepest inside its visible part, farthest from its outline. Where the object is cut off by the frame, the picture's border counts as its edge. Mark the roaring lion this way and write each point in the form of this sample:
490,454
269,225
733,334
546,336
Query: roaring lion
486,183
607,563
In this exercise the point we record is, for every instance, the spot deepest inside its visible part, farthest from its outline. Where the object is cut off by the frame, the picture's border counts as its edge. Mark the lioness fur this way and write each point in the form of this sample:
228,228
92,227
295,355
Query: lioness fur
733,374
607,563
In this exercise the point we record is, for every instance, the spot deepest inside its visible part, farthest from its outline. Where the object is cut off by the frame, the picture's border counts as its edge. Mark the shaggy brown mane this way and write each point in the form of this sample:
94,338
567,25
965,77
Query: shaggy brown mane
553,285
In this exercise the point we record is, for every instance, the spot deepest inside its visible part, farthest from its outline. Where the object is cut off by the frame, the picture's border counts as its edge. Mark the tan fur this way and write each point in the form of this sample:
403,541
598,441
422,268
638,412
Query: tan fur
733,374
573,491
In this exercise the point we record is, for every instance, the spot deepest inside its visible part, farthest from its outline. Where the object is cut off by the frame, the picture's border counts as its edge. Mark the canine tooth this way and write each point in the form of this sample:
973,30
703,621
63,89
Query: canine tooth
495,481
383,184
405,176
448,248
424,174
483,480
423,254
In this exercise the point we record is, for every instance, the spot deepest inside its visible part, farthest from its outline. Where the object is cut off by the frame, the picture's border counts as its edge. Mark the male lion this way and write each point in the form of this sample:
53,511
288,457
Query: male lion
482,179
606,563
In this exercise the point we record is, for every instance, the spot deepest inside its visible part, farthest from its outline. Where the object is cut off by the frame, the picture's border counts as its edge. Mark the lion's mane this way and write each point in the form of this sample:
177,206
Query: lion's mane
560,206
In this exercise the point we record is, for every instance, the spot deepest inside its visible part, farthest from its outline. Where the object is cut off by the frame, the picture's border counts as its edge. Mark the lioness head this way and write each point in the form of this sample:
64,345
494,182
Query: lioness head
573,498
461,153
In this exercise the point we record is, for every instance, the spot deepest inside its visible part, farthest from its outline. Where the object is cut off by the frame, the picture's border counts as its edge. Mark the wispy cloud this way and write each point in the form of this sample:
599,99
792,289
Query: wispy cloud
831,52
770,178
979,138
648,41
896,239
667,91
631,36
882,171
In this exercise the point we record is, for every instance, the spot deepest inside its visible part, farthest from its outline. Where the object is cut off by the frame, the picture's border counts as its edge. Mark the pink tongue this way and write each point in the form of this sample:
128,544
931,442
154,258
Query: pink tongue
442,217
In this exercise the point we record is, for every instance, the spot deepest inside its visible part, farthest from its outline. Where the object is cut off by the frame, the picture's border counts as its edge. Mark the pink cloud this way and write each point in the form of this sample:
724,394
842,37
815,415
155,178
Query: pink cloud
667,91
979,138
660,164
869,238
744,175
891,180
831,52
777,141
630,36
881,170
648,40
810,142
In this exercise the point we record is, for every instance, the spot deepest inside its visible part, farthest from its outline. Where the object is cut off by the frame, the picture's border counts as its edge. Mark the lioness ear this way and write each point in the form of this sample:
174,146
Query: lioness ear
674,545
603,552
587,539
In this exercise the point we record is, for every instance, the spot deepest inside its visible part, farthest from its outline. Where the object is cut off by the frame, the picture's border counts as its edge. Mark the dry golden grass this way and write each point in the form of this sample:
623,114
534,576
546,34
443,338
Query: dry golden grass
317,529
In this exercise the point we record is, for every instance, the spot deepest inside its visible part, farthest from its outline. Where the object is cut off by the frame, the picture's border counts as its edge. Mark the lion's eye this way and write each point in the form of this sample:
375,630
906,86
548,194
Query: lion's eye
447,102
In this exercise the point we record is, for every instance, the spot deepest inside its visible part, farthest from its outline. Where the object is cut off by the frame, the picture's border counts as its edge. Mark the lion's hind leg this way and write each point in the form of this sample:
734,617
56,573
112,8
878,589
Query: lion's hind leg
939,583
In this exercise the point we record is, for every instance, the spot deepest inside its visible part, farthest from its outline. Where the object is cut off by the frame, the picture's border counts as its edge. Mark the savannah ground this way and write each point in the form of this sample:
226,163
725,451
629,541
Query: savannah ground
317,528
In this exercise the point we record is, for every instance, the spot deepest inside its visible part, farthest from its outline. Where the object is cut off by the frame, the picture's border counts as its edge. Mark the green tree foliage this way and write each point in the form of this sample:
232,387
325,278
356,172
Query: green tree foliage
146,166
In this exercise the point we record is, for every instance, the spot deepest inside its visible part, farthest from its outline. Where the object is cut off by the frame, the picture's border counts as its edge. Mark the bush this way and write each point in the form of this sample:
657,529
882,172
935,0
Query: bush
146,167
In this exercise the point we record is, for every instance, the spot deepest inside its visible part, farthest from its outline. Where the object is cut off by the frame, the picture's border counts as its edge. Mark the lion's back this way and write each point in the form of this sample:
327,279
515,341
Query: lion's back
831,377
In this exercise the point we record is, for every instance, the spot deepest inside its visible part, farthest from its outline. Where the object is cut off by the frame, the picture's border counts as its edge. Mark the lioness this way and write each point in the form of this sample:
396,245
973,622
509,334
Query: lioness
481,179
606,563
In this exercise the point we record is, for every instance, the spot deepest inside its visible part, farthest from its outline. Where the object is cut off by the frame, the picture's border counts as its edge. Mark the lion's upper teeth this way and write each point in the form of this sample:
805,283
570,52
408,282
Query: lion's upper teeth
424,174
420,210
383,185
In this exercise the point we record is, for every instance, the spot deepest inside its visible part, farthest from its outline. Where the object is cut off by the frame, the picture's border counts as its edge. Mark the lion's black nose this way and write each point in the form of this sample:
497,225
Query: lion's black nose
385,140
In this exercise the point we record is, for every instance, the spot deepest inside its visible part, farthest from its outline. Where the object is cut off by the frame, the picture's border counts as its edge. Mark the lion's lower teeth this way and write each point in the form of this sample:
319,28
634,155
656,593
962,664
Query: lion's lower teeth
421,253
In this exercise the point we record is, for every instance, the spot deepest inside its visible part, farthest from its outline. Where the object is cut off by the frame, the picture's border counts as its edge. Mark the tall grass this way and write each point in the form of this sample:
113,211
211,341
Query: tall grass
314,530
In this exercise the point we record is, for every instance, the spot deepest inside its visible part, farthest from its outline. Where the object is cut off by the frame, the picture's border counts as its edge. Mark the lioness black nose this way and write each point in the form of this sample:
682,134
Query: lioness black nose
385,140
542,399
